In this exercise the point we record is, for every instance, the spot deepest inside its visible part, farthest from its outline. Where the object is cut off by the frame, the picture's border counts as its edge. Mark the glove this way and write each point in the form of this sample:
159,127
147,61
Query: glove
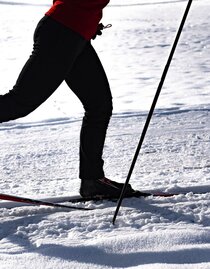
100,28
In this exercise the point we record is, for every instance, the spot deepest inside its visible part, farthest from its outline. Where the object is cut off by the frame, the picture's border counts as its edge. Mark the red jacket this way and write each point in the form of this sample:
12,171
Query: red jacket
81,16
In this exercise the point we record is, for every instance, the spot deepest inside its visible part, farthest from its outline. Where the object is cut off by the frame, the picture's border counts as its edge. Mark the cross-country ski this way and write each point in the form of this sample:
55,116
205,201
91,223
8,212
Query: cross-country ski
17,201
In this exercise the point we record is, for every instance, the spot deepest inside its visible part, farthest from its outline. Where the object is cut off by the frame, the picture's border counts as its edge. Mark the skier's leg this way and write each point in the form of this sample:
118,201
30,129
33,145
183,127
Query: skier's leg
55,49
89,82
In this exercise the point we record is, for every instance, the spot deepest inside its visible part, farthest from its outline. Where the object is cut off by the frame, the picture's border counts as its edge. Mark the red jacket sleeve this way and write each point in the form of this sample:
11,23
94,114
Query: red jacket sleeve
82,16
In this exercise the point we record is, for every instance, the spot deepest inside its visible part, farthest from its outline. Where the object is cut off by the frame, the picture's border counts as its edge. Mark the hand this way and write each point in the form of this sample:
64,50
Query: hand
100,28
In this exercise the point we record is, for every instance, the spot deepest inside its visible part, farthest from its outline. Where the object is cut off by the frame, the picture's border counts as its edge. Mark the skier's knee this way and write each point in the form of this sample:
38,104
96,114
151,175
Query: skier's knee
99,114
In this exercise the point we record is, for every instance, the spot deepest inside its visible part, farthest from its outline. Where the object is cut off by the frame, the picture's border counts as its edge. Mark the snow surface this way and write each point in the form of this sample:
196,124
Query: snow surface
39,153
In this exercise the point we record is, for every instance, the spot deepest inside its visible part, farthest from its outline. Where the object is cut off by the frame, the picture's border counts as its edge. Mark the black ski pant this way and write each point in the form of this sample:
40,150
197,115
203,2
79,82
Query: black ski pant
60,54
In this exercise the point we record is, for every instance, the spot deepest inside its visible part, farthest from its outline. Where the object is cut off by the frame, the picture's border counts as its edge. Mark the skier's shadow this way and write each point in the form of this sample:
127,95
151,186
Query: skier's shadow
97,256
92,254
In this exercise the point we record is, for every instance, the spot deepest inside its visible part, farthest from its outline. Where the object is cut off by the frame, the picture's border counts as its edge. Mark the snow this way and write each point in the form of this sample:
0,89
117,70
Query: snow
39,153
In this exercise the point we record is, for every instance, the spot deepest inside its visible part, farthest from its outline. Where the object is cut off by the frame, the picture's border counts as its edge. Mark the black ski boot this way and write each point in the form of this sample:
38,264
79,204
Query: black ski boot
104,188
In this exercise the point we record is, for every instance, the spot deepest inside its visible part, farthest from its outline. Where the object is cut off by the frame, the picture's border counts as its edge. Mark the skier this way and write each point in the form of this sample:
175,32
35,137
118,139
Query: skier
63,52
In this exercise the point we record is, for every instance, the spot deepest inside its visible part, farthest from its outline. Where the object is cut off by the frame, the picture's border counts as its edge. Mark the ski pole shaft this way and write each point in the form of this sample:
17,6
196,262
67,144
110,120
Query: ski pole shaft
36,202
165,71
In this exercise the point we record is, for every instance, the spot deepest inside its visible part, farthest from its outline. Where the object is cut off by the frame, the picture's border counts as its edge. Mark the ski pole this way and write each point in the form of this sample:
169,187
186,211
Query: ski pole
36,202
165,71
